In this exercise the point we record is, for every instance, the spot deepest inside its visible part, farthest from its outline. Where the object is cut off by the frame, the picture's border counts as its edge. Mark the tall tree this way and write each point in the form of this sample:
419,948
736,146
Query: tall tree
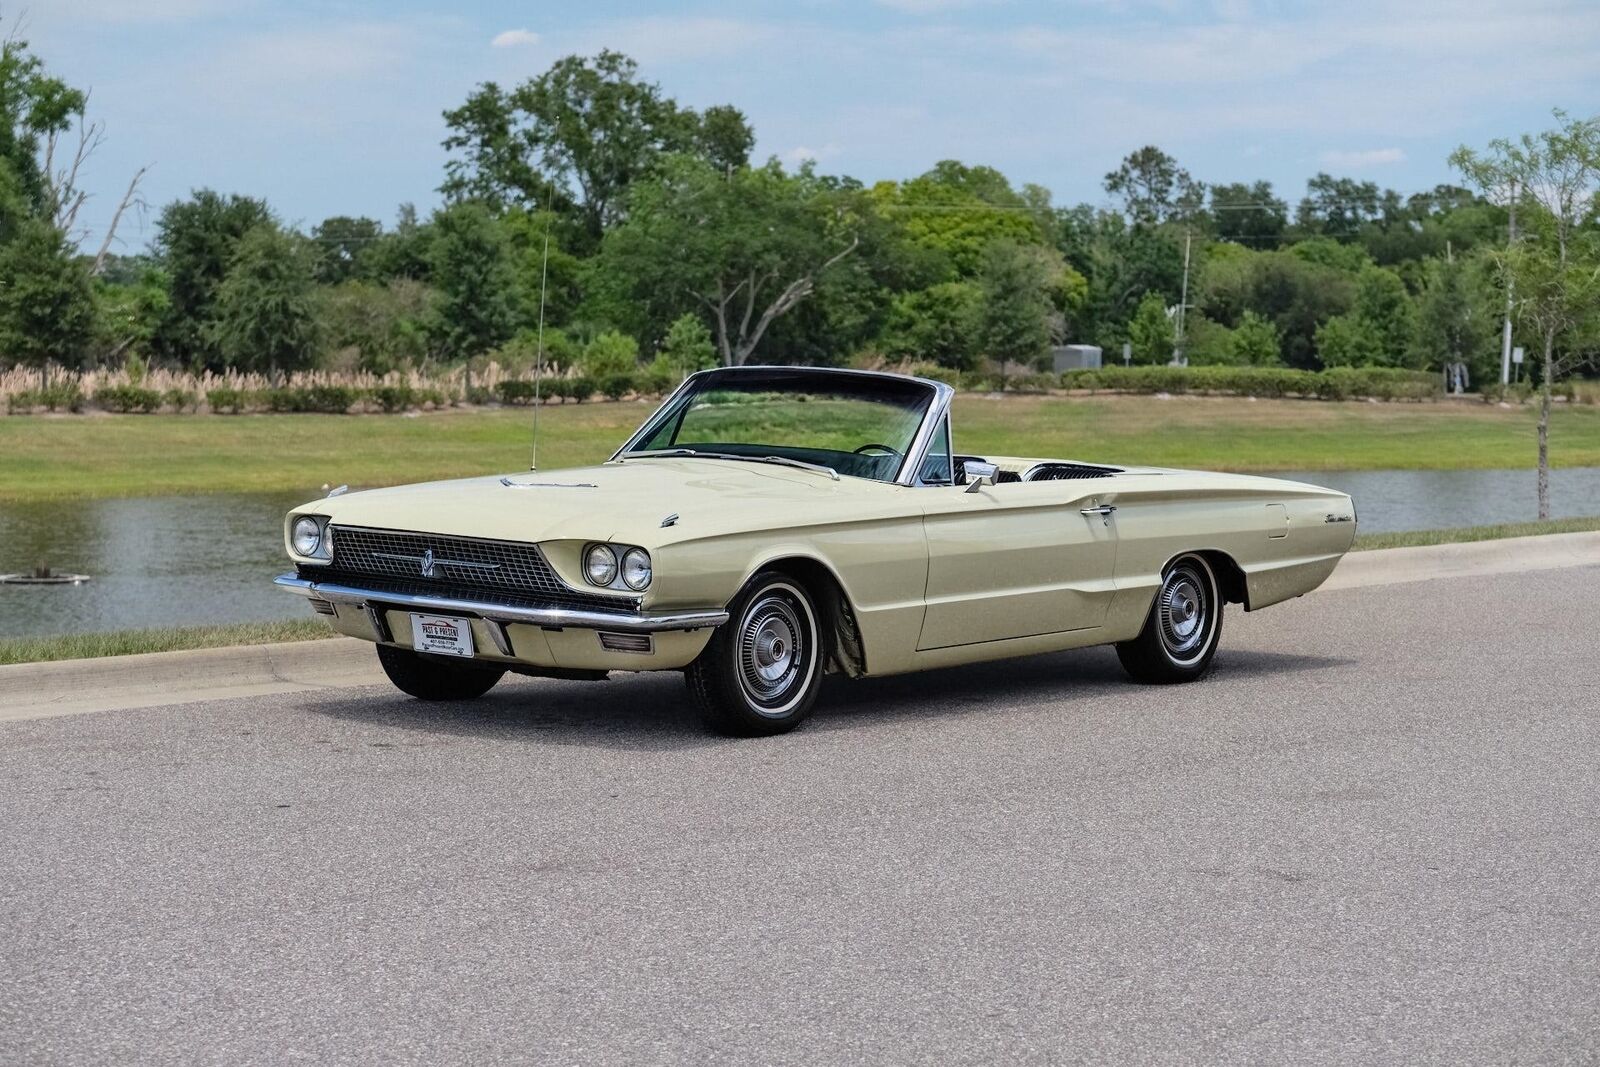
1015,310
478,306
1154,188
1249,214
748,247
195,242
589,128
47,307
342,240
1337,207
266,311
1554,270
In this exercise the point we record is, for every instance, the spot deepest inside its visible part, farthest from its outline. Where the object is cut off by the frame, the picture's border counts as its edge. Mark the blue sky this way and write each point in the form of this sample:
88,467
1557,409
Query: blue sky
334,108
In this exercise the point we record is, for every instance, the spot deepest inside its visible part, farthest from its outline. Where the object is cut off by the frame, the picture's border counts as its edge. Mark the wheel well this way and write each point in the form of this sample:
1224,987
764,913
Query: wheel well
845,651
1230,576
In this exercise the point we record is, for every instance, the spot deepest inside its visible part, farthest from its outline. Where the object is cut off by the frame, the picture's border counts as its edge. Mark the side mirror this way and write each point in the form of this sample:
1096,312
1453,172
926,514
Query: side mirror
980,474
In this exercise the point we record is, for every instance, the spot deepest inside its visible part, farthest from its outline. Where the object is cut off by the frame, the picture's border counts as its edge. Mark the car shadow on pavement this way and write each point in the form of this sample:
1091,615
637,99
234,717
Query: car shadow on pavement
651,712
1062,679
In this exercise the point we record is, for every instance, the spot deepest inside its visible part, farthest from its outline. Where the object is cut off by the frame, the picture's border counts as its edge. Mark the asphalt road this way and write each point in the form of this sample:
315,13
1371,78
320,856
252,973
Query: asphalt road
1372,835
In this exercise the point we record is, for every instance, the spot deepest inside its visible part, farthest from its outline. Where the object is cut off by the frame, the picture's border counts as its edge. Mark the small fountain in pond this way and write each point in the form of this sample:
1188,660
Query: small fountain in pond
43,575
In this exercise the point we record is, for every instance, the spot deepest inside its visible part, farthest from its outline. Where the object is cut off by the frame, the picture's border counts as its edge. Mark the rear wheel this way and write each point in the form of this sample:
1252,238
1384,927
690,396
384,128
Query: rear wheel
1179,639
760,672
434,678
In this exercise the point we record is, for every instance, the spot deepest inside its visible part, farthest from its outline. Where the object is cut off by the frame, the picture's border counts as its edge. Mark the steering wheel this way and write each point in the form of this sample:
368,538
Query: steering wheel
882,448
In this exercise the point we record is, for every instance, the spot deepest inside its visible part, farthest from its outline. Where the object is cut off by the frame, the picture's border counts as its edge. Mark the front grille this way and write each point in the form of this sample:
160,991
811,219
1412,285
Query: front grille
498,572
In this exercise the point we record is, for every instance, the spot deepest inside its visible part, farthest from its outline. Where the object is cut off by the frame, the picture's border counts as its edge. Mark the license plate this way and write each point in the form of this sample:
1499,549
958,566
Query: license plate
441,635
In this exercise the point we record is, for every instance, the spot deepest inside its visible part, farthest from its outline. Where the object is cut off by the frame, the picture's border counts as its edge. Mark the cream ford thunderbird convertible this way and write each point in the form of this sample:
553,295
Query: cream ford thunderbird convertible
769,525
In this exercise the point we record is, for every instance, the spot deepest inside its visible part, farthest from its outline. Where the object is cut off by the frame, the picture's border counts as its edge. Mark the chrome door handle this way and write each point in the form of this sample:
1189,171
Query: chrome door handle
1101,509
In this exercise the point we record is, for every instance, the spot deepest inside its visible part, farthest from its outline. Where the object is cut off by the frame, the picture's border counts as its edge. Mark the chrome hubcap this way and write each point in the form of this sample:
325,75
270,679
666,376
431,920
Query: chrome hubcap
1184,613
771,650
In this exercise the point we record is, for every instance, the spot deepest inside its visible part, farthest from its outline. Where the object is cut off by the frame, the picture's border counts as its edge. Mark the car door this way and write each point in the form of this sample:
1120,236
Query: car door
1016,559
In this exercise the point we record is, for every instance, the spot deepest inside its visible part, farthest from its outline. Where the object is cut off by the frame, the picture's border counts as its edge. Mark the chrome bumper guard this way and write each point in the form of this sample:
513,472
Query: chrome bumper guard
557,618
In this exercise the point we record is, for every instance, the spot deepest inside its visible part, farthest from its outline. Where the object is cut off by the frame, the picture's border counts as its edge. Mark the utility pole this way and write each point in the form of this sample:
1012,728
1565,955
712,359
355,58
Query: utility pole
1178,357
1505,332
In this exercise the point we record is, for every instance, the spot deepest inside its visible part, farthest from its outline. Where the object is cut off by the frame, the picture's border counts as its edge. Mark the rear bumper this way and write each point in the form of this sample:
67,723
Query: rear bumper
566,638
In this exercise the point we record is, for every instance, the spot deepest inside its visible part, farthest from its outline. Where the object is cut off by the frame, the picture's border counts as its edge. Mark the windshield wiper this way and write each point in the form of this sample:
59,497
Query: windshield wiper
658,453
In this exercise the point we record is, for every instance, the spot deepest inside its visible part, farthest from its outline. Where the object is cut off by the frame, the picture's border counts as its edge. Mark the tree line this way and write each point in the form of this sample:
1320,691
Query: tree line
588,216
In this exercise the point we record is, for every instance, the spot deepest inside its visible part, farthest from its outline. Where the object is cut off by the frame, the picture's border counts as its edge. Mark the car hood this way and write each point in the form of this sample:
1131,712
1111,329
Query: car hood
621,502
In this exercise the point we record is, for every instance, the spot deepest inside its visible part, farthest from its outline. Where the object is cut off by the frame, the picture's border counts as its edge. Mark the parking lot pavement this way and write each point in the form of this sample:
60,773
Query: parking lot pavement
1372,835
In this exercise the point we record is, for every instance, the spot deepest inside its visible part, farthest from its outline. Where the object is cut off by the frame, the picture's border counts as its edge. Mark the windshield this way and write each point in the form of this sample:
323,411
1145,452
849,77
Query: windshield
855,424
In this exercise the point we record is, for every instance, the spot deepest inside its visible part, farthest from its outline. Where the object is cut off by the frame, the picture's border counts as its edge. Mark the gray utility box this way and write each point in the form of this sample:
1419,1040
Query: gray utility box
1075,357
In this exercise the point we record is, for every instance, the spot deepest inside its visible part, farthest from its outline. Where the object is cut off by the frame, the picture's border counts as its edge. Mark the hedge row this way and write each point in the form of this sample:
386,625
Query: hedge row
1337,383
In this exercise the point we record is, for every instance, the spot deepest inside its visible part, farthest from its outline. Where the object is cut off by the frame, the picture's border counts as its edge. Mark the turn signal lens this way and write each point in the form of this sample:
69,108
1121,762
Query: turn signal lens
636,569
600,565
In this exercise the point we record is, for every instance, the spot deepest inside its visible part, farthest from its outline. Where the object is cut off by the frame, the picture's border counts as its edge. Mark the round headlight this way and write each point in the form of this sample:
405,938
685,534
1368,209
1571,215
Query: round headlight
306,536
600,565
636,568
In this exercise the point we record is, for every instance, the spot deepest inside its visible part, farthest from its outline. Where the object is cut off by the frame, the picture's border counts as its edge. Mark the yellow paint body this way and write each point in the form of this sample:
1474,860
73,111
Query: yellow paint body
934,575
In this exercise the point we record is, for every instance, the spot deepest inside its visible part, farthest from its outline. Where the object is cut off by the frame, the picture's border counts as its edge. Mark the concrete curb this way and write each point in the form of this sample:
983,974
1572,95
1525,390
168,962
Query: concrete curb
1511,555
70,687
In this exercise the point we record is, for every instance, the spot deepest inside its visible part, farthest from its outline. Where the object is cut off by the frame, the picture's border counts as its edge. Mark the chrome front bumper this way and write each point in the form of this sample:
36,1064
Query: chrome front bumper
553,618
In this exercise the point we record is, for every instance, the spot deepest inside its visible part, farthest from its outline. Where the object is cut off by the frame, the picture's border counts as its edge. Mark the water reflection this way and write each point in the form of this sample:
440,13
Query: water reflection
155,561
1387,501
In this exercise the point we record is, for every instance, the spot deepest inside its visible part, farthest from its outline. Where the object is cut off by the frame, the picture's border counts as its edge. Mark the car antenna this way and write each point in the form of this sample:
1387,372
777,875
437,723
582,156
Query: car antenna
544,277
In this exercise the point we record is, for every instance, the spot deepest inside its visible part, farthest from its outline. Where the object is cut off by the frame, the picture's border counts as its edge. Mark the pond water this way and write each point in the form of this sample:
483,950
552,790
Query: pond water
171,561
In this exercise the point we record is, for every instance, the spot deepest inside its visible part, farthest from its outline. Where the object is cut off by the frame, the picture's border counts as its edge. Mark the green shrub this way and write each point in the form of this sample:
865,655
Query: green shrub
515,391
227,401
61,396
327,399
616,386
393,398
179,399
23,401
659,377
579,388
479,394
435,396
1081,378
283,399
124,399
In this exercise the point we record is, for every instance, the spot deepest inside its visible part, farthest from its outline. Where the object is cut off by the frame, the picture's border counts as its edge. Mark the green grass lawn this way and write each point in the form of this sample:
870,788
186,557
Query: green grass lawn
174,639
139,455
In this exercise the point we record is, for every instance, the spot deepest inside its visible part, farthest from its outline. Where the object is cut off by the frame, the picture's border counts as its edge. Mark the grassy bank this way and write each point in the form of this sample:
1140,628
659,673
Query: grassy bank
132,642
138,455
1414,538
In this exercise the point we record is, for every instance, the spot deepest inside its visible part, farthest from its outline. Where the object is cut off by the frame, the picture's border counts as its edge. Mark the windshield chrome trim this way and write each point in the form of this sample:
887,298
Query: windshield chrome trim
910,463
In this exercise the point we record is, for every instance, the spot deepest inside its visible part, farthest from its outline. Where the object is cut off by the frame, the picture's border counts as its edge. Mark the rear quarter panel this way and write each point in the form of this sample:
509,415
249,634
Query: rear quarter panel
1278,532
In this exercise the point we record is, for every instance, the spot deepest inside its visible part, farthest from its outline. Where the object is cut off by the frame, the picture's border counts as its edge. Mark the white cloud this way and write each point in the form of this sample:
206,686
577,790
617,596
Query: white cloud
1366,157
514,39
805,154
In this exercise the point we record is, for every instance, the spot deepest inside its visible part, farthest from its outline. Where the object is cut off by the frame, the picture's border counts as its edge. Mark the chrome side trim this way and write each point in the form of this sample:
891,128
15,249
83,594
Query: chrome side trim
502,613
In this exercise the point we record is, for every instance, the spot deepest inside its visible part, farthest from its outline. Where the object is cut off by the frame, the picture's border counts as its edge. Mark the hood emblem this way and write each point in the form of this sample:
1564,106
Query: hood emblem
427,563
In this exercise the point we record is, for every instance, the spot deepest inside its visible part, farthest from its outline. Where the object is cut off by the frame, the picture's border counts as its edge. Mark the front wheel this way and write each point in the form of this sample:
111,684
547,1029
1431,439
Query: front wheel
759,673
1179,639
434,678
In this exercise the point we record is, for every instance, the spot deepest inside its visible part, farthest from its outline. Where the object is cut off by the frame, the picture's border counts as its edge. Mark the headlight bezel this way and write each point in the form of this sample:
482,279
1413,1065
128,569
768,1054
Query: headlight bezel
320,550
615,578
